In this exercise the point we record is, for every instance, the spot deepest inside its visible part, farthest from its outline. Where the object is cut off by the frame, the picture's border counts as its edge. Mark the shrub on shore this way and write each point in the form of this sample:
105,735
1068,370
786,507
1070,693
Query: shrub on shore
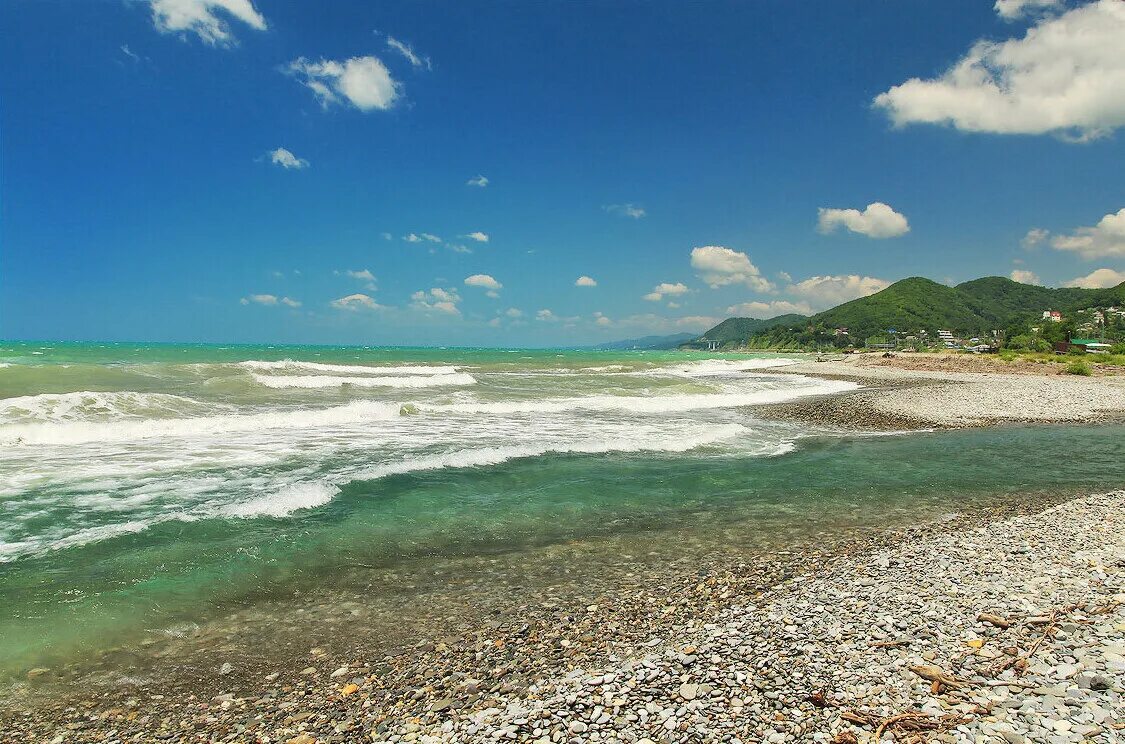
1078,367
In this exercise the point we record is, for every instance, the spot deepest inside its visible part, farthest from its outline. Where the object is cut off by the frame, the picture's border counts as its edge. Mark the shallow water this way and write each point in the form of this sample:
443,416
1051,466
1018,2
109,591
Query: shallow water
144,486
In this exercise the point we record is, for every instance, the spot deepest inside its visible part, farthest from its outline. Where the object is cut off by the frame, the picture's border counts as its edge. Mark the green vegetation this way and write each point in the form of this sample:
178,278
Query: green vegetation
1078,367
917,308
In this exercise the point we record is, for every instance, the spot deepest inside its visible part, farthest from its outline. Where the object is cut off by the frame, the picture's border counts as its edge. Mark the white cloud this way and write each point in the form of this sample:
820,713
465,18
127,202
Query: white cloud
514,312
1011,10
408,52
878,220
666,289
477,236
421,237
1065,76
478,180
585,281
1034,237
362,275
199,17
269,300
829,291
1098,279
602,320
652,323
458,248
355,302
719,266
130,53
626,210
364,82
1107,238
287,160
438,299
1023,276
387,236
485,281
547,315
769,309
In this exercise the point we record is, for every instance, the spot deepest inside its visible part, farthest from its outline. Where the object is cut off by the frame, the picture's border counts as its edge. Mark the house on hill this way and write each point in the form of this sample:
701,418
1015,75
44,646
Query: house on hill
1052,315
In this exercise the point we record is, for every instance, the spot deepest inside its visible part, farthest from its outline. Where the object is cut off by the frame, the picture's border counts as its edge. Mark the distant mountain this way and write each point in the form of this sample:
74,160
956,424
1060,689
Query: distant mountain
735,330
917,303
648,343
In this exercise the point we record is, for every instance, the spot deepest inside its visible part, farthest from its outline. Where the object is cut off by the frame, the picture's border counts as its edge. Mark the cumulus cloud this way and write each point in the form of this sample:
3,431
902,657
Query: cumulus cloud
478,180
364,82
1107,238
719,266
362,274
1011,10
354,302
878,220
477,236
828,291
437,299
1098,279
1034,237
585,281
514,312
287,160
207,19
547,316
1066,76
769,309
631,211
407,51
485,281
269,300
482,280
666,289
1023,276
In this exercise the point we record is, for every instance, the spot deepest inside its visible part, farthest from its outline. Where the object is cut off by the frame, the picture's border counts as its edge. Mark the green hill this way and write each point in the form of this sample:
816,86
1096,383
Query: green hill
915,304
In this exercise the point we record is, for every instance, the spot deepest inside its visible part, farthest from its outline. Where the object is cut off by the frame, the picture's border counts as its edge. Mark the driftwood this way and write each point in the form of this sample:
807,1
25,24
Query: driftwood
999,622
909,724
938,677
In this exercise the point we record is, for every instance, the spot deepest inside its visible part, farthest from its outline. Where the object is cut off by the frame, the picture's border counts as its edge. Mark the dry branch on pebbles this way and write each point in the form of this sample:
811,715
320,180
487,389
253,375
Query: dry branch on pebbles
902,644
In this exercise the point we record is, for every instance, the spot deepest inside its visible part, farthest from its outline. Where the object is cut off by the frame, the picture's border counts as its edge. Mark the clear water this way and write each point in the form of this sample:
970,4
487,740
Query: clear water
143,484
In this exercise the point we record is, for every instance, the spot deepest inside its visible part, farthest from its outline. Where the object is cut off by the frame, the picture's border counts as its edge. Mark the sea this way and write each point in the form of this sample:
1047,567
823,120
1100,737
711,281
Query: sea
151,487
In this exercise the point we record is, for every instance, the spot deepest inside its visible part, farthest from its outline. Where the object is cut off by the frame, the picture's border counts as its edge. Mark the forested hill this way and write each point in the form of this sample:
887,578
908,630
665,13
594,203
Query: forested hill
917,303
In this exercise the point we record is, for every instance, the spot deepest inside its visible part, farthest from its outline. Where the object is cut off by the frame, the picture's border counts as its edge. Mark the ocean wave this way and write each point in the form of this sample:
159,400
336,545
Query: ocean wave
93,406
100,431
326,381
286,501
713,367
649,404
485,456
359,369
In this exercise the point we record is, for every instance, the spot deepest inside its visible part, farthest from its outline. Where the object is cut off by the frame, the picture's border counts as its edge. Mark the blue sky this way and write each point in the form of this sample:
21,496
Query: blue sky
221,170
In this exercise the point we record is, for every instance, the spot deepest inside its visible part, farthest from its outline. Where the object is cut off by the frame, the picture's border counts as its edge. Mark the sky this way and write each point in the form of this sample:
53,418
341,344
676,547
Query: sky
540,173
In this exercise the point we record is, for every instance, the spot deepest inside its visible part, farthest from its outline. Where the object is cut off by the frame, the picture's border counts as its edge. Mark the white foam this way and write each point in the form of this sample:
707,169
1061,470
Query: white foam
713,367
326,381
89,405
651,404
361,369
286,501
82,432
484,456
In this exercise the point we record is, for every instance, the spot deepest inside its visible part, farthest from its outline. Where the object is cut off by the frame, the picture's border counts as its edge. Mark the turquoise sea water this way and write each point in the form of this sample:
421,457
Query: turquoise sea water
144,484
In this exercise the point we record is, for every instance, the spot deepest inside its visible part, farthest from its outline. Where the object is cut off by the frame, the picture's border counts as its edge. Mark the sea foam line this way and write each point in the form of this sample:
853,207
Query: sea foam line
362,369
326,381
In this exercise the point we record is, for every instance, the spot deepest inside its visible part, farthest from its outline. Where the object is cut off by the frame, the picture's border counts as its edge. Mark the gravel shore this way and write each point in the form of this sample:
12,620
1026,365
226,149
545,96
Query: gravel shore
823,645
896,398
1012,632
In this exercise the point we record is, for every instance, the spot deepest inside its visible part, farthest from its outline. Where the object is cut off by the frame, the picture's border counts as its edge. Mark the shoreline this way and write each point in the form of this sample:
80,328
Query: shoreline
457,677
892,398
